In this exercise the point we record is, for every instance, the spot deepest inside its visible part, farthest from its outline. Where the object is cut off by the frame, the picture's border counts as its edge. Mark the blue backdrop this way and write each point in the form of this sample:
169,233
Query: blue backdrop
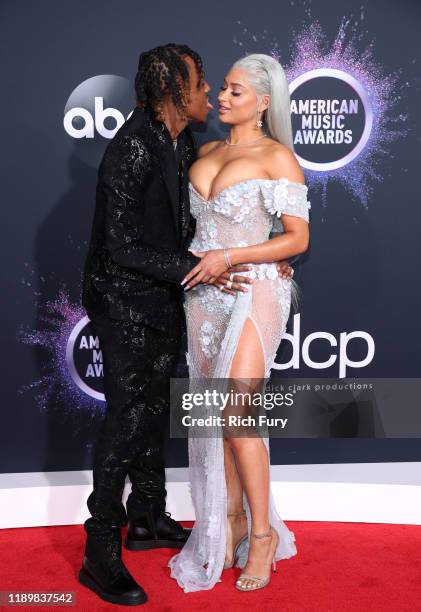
65,65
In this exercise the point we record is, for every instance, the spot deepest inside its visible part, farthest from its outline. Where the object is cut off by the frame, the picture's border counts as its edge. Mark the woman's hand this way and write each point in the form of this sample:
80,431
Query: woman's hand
211,266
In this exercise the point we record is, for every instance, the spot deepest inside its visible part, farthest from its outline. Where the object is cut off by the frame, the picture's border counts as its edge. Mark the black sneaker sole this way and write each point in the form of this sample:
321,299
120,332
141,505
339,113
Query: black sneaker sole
150,544
87,581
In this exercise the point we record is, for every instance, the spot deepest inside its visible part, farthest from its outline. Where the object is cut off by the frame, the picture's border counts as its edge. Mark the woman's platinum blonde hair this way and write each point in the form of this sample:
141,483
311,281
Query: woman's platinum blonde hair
266,75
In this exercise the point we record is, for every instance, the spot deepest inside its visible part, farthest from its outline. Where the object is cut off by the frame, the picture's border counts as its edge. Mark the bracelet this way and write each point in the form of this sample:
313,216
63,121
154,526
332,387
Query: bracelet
227,259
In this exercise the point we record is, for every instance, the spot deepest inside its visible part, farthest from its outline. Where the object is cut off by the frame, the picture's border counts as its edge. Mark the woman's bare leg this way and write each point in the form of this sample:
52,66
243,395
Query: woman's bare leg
237,524
251,457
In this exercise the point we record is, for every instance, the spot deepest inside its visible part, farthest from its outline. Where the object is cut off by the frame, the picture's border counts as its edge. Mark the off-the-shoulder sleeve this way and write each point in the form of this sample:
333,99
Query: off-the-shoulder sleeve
285,197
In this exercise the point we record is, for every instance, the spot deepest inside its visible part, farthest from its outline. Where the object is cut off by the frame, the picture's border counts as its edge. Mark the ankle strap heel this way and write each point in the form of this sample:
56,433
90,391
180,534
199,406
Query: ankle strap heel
237,513
260,536
258,582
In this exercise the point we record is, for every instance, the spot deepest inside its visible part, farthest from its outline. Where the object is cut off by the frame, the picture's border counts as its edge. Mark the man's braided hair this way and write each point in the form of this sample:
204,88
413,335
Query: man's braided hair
162,72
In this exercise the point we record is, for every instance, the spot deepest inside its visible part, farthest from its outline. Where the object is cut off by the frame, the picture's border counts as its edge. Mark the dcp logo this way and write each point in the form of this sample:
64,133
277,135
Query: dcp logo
340,354
84,359
331,118
94,112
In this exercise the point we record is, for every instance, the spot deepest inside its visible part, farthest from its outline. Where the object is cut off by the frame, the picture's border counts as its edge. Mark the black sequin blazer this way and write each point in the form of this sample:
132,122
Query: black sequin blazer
142,225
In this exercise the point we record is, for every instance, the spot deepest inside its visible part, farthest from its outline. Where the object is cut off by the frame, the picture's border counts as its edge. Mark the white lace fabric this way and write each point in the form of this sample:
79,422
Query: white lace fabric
240,215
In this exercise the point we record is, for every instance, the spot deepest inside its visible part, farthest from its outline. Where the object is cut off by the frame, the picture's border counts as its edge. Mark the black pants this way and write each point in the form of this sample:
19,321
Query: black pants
138,361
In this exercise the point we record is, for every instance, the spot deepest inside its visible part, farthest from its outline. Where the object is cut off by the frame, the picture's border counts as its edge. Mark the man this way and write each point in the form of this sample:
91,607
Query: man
132,293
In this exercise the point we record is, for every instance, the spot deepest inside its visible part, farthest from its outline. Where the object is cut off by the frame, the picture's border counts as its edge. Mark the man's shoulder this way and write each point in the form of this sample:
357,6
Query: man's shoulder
129,152
136,128
131,139
125,147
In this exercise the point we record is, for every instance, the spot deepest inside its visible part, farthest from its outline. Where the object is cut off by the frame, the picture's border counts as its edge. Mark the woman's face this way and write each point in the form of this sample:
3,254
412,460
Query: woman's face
238,99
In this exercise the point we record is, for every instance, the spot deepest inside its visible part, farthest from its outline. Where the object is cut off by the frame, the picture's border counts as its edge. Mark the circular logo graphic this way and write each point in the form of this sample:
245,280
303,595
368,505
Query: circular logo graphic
94,112
331,118
84,359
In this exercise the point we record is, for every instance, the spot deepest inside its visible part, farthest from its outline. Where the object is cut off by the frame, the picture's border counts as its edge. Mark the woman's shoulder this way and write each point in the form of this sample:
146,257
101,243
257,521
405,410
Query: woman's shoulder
280,161
209,146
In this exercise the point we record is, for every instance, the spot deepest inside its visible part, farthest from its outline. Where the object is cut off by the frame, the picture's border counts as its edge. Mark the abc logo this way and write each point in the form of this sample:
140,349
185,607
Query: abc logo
331,118
94,112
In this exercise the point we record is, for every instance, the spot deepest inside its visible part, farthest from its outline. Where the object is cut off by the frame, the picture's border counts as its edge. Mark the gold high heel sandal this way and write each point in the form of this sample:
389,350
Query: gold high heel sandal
237,546
258,582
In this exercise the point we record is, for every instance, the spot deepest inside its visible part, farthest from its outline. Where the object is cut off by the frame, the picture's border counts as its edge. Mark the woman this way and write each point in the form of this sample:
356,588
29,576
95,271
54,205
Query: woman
237,188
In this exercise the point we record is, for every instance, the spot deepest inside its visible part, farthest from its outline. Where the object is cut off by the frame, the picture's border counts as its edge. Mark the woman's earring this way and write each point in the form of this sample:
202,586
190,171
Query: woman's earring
259,122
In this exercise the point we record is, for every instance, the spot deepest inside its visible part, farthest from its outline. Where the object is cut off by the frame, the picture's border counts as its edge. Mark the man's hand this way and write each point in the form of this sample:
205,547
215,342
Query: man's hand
211,266
284,269
229,282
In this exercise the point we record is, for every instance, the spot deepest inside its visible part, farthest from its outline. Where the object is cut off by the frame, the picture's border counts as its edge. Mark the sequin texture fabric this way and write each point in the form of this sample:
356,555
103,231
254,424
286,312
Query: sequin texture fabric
137,255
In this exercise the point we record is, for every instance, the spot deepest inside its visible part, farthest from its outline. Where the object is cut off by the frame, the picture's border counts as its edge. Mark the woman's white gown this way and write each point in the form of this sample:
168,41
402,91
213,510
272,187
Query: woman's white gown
240,215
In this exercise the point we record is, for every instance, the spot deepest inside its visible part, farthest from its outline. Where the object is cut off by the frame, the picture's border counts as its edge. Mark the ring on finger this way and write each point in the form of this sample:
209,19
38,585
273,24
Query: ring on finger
231,276
221,287
229,284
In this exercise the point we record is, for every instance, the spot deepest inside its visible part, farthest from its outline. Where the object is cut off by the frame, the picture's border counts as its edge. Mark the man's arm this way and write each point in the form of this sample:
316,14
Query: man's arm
124,178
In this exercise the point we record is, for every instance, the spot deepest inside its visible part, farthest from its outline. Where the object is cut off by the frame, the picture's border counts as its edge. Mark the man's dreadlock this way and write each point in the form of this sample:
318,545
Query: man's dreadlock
162,72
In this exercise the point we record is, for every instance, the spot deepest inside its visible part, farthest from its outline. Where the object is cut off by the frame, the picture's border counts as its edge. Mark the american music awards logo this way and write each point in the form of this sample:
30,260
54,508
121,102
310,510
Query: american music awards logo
84,359
331,118
71,374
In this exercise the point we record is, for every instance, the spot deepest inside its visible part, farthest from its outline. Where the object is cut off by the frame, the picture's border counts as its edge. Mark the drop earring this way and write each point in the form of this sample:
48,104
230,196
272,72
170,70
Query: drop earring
259,122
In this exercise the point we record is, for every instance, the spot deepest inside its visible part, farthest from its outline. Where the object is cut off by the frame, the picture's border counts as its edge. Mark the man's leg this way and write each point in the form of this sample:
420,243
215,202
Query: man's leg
127,362
127,350
147,470
149,525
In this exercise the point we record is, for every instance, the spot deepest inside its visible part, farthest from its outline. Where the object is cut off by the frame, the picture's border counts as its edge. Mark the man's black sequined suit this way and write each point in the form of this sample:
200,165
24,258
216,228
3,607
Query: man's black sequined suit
132,294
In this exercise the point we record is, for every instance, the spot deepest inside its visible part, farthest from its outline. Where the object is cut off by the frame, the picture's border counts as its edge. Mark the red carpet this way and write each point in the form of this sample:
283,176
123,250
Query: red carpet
340,567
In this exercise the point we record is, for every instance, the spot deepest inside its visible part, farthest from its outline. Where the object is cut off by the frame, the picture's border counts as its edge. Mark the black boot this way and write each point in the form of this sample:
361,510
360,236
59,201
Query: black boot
104,572
155,529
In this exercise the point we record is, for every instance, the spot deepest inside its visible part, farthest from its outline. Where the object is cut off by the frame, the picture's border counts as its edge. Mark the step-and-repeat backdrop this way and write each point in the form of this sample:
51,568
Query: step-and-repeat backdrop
67,85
